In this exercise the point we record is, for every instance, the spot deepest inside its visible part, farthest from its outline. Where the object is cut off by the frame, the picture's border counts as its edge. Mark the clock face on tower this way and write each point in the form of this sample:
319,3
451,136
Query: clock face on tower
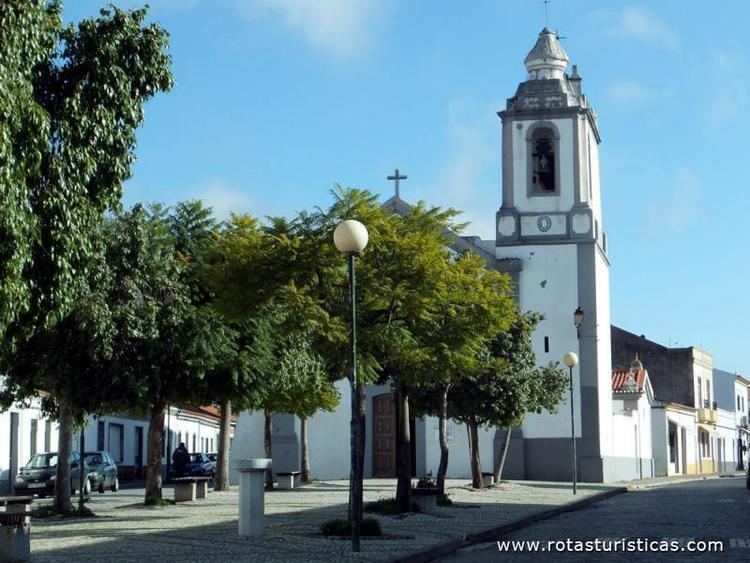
544,223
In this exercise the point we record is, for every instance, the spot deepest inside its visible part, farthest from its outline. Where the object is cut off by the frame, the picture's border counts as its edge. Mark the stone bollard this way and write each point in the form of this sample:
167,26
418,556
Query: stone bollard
252,491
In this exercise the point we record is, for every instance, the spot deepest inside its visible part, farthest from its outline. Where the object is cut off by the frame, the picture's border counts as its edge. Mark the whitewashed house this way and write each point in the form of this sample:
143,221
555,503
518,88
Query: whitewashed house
23,432
732,392
632,401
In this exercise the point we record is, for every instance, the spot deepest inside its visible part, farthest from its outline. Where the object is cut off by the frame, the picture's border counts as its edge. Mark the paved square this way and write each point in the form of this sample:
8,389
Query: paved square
206,530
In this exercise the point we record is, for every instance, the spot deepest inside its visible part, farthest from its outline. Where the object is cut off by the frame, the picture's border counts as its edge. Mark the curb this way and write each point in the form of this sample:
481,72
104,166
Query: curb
490,534
679,480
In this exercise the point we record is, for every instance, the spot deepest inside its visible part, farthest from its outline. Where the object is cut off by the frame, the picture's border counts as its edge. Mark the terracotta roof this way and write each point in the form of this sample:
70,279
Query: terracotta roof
208,411
620,377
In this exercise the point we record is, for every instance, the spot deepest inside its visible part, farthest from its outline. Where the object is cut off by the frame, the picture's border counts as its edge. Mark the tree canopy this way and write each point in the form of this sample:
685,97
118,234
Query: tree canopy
71,101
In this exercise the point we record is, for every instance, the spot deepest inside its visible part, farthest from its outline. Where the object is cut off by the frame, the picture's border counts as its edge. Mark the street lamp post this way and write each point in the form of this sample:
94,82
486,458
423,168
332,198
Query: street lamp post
350,237
578,320
571,359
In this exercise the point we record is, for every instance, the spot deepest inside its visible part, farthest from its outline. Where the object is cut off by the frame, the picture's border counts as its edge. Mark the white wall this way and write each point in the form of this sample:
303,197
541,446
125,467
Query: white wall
726,433
25,416
659,440
548,285
632,434
328,438
459,466
686,420
602,333
248,441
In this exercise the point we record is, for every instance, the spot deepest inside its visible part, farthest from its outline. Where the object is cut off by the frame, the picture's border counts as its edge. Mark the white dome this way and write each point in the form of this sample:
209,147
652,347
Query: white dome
547,59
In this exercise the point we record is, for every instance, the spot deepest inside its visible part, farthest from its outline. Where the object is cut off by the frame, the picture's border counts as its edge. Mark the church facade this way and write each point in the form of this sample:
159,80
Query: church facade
550,240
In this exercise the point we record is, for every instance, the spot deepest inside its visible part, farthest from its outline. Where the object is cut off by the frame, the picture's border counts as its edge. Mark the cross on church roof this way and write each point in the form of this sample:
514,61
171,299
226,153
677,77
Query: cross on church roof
396,177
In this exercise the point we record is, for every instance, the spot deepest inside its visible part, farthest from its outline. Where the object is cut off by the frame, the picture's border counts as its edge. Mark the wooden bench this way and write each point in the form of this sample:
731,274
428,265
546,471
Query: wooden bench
289,479
190,488
15,528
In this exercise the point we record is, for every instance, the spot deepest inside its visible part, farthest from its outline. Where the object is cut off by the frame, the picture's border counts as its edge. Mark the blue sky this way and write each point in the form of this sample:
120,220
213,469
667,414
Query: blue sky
277,100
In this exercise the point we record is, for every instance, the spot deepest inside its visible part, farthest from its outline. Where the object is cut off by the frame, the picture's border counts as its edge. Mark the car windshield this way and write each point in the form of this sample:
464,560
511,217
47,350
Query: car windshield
212,457
196,458
93,459
39,461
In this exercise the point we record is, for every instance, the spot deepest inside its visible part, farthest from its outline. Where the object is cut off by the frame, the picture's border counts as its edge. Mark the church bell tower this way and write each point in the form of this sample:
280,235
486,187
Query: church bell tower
550,224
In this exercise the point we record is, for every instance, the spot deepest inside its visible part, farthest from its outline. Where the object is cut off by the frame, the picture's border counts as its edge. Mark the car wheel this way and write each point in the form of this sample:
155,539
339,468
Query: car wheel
101,487
72,489
116,485
86,487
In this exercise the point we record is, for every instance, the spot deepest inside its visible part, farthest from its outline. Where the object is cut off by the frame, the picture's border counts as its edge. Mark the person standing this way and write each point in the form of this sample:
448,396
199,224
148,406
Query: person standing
180,460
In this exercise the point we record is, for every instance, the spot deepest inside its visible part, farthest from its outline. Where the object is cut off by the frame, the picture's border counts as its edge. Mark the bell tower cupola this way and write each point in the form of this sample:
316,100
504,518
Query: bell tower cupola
547,59
550,155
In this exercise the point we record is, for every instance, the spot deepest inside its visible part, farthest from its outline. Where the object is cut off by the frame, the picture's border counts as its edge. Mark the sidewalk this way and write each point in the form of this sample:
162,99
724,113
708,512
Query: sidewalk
206,530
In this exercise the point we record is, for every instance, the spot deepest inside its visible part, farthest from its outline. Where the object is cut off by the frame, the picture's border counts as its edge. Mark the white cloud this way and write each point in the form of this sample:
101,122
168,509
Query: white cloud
676,208
222,198
728,93
342,29
634,22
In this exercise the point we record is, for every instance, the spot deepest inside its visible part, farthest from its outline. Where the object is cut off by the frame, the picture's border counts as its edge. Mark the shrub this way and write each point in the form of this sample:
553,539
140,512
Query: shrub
426,482
48,511
388,506
156,501
342,527
444,500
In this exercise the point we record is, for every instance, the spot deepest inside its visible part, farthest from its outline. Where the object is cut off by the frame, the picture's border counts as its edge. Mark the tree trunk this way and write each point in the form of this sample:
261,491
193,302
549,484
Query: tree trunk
64,447
403,489
221,480
81,472
443,421
154,447
501,455
268,441
476,463
305,453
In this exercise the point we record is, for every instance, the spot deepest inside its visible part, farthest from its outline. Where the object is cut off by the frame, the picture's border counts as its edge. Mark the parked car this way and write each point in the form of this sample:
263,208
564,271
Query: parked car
200,466
38,476
213,457
103,471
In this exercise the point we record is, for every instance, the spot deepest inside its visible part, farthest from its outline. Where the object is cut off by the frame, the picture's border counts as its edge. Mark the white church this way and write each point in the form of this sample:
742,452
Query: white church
550,239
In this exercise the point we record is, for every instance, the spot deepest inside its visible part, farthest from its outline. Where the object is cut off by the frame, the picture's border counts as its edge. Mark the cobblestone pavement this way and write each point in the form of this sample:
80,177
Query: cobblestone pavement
206,530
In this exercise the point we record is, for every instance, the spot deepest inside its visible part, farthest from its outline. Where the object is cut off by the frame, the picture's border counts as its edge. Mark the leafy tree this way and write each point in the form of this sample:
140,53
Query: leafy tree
307,388
71,102
164,344
508,386
236,271
473,303
74,99
71,361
